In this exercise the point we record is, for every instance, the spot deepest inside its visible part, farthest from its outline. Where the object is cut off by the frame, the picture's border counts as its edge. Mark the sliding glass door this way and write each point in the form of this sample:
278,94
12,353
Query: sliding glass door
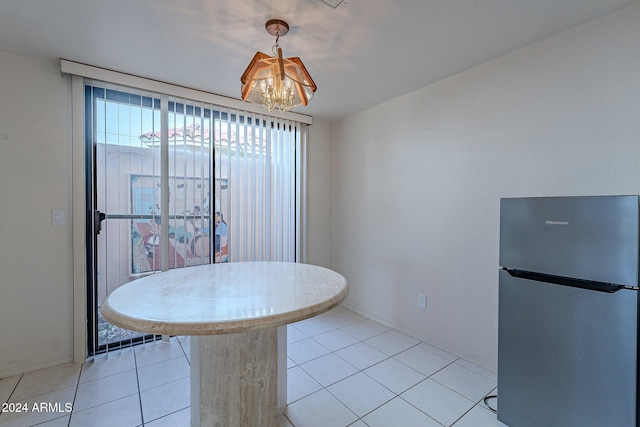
173,183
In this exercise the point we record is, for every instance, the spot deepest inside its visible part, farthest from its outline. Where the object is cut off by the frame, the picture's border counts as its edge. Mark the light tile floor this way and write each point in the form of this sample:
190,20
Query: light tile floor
343,370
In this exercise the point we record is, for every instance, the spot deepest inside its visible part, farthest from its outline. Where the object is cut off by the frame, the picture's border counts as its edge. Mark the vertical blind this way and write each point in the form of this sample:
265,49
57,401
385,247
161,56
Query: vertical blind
247,197
186,183
257,154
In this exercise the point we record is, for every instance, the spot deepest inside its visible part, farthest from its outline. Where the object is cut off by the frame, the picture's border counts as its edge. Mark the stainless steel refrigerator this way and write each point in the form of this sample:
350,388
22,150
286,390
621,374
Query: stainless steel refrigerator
568,312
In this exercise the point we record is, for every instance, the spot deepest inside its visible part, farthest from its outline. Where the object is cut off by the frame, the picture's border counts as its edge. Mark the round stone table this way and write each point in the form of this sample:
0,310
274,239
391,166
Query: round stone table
236,314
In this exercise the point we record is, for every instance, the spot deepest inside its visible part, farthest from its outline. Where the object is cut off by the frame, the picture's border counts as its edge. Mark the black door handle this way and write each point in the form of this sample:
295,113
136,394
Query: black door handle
98,217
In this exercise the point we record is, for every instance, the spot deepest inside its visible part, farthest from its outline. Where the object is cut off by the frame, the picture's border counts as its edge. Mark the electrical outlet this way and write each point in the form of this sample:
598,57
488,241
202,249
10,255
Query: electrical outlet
422,301
57,217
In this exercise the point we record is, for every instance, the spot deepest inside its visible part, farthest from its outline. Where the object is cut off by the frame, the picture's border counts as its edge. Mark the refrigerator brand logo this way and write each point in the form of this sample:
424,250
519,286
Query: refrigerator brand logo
549,222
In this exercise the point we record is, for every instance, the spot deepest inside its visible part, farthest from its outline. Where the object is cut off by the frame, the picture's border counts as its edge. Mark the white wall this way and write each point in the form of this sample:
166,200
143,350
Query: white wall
36,289
319,196
416,181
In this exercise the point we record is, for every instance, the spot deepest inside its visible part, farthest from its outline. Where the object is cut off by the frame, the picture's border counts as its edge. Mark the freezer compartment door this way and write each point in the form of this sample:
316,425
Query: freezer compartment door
588,238
566,356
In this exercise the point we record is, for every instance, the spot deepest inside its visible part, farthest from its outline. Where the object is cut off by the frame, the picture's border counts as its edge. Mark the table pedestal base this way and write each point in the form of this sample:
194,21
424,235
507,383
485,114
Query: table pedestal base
239,379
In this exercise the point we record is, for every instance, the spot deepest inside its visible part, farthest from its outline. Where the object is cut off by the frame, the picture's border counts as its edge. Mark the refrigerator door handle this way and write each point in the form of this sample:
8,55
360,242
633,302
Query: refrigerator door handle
565,281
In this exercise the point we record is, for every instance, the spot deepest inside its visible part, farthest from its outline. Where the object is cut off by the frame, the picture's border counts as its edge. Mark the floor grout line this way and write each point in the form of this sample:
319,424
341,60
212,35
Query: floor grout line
390,346
135,361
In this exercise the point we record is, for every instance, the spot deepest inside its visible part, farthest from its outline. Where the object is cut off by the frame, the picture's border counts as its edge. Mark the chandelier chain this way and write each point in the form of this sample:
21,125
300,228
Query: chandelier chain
275,47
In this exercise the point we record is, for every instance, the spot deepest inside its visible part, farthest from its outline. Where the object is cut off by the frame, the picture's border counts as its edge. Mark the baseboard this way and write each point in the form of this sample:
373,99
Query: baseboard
24,369
481,363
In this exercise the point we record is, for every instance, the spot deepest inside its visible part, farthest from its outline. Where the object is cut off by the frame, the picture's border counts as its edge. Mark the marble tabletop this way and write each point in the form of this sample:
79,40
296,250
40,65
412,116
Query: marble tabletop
225,298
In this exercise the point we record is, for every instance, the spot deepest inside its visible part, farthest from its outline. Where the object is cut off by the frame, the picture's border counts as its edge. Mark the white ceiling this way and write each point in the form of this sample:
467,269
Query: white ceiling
360,54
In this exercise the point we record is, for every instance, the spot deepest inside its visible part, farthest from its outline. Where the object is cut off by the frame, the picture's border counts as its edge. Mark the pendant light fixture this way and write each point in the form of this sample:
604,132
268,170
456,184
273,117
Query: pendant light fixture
277,82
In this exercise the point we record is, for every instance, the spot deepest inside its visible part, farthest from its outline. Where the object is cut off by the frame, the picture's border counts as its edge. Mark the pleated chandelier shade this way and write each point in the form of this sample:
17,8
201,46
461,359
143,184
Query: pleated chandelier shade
277,82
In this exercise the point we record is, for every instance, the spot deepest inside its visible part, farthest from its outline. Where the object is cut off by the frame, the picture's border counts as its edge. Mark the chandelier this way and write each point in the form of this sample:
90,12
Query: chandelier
277,82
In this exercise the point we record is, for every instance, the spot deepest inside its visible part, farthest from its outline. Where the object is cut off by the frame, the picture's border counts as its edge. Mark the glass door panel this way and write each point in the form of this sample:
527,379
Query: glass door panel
126,176
123,190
